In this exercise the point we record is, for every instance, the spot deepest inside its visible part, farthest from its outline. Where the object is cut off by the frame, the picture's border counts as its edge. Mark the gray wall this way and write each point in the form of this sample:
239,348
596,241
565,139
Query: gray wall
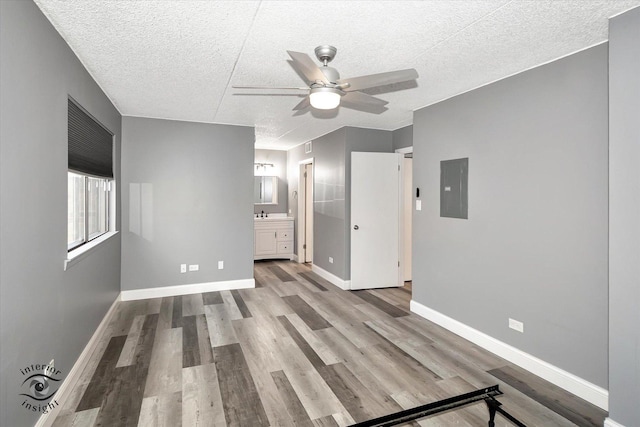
624,212
329,239
403,137
535,245
332,182
279,159
46,312
187,197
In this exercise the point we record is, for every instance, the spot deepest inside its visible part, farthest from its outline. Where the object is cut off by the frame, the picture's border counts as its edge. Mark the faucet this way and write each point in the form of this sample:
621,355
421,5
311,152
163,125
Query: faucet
262,214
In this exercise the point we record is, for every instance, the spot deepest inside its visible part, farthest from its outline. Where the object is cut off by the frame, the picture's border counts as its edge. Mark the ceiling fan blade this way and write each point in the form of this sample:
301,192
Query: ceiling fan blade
372,109
302,104
305,65
363,102
270,87
364,82
362,98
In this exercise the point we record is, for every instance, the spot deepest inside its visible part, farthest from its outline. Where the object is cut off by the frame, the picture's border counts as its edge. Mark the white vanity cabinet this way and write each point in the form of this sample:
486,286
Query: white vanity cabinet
273,238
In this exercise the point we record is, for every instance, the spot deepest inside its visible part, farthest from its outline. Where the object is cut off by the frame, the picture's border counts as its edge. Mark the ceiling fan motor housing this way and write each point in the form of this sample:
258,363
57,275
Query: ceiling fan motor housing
325,53
330,73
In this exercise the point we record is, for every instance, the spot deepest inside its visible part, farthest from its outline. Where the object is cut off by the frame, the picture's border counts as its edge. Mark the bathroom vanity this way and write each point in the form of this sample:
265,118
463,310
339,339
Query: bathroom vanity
273,237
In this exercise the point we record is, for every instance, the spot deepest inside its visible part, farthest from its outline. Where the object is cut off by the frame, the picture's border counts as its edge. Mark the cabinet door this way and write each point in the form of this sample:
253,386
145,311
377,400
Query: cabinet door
265,242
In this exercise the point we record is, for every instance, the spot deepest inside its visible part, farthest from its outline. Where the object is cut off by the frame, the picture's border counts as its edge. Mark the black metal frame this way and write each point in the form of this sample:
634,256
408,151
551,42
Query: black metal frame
487,395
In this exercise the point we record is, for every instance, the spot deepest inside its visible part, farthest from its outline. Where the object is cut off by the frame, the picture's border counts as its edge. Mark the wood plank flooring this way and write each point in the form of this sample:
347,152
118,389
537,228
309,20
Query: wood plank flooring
295,351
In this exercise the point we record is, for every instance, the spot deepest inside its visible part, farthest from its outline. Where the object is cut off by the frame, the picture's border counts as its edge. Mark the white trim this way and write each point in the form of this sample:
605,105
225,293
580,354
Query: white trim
74,256
74,374
608,422
342,284
193,288
566,380
294,258
302,209
401,213
274,256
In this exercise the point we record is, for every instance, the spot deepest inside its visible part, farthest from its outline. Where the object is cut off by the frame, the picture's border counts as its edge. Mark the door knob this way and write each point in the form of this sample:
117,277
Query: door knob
355,227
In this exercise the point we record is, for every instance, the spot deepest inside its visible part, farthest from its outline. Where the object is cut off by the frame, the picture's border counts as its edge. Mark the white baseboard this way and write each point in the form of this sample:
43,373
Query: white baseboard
608,422
194,288
566,380
46,420
342,284
294,258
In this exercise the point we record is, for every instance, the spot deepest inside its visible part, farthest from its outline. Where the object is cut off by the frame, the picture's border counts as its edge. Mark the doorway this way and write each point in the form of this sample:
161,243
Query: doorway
305,212
406,210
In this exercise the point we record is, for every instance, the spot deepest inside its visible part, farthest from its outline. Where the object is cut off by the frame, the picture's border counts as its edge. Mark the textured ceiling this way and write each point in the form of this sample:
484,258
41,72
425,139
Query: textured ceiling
178,59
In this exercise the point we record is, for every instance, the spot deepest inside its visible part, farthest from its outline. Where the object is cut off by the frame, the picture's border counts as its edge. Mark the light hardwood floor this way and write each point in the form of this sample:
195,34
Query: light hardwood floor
295,351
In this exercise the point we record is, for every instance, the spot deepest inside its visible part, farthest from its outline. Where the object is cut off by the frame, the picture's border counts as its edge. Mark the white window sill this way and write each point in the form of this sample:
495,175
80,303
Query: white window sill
77,254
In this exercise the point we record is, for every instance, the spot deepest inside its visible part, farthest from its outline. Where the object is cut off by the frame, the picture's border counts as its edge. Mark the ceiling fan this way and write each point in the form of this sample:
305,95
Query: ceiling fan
326,90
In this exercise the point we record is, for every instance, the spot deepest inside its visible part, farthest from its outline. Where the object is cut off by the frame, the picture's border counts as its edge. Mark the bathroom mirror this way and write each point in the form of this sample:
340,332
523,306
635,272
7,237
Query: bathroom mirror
265,190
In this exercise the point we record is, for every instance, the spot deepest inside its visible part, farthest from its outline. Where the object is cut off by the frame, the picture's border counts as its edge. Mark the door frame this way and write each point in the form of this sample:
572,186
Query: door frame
302,217
404,150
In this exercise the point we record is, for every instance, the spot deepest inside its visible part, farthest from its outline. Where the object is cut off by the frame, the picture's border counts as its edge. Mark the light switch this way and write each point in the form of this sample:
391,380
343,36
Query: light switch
418,205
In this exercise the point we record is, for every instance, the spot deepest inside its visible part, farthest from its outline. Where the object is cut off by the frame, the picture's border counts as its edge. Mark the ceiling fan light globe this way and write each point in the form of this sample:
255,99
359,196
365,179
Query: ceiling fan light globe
324,99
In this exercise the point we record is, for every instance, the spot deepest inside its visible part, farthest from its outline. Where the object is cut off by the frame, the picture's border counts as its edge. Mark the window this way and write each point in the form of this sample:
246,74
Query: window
90,178
88,207
76,208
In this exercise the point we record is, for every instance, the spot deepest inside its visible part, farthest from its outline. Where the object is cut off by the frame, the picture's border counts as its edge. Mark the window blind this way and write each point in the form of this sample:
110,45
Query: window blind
90,144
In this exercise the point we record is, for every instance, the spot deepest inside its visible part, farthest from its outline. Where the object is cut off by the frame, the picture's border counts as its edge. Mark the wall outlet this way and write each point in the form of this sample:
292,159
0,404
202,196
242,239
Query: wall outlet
194,267
183,268
516,325
331,259
220,265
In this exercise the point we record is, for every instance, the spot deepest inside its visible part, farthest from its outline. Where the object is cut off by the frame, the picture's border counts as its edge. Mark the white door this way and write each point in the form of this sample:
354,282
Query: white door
375,219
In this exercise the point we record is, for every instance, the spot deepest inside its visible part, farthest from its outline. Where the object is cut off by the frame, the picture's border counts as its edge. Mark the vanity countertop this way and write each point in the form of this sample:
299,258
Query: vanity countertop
273,217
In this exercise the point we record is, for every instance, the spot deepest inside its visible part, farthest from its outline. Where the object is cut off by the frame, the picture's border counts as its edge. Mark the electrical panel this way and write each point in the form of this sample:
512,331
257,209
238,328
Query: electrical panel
454,188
